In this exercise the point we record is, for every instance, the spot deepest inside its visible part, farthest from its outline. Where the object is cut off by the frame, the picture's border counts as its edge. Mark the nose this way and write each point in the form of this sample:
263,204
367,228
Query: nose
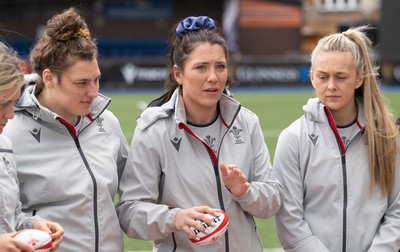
212,76
93,90
332,84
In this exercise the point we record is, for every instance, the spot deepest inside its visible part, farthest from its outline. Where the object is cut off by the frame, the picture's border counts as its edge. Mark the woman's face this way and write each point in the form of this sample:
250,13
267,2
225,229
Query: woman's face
72,95
203,78
7,99
334,77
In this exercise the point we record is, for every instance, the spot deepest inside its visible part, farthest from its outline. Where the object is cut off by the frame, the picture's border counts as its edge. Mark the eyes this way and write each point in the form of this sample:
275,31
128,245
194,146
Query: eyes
85,82
204,67
325,77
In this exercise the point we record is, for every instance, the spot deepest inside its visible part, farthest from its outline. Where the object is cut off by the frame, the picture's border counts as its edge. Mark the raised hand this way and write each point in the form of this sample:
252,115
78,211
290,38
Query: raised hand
234,179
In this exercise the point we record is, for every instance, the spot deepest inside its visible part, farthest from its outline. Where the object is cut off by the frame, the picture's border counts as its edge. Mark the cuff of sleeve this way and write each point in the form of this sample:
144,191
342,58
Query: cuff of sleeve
246,195
29,223
171,218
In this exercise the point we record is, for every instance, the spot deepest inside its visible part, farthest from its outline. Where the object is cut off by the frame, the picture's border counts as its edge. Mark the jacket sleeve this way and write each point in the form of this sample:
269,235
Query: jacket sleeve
387,237
293,231
123,151
22,220
264,197
139,214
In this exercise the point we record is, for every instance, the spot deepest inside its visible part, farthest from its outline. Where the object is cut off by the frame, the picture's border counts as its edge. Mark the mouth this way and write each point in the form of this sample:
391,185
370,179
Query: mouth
211,90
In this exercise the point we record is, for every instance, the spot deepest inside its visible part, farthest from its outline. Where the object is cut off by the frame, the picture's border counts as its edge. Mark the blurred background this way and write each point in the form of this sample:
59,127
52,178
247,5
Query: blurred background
270,41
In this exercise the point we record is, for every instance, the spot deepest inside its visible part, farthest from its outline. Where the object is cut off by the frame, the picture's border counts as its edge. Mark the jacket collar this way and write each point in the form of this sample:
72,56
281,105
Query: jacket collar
29,103
314,110
228,109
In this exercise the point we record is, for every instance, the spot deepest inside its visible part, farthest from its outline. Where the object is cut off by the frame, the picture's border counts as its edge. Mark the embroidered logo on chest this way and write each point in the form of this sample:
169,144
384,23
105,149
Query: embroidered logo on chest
99,122
237,134
313,138
209,140
36,134
176,142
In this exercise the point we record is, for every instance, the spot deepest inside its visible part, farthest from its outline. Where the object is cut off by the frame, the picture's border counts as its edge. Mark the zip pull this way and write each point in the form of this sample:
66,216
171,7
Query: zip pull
35,114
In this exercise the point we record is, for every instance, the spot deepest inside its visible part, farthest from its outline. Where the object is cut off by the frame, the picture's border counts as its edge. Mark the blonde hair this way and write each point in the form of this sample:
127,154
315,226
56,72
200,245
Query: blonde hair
380,130
65,40
10,71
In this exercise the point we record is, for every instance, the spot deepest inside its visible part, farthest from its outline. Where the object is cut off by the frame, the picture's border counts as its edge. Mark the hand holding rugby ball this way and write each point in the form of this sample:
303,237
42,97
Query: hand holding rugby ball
221,224
39,240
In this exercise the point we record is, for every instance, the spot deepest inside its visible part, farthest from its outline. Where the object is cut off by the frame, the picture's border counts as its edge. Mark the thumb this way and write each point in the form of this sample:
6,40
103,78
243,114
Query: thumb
223,169
23,246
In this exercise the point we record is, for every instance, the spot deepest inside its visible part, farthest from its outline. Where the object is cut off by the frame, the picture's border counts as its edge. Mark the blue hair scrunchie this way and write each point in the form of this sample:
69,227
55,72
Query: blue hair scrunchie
194,24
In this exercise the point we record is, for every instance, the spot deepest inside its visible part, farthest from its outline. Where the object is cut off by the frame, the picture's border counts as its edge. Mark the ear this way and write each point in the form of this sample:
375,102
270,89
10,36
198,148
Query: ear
360,81
177,74
312,78
49,79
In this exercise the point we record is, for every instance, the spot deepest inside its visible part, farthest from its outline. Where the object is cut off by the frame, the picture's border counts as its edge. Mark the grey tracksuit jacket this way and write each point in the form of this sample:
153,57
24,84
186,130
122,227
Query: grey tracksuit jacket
328,203
174,169
70,176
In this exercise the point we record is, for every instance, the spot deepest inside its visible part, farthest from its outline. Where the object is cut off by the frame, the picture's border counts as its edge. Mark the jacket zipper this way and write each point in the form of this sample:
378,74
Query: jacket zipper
214,161
72,131
344,174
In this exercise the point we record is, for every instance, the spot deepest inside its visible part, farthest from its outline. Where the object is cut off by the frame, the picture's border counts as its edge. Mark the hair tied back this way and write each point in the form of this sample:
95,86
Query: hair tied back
347,35
194,24
67,33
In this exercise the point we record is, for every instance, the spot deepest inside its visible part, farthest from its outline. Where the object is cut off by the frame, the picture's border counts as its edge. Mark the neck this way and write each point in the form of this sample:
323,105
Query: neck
345,117
202,116
46,101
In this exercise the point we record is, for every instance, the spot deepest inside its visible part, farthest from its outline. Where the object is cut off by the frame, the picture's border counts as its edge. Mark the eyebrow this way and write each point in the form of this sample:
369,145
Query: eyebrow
325,72
86,79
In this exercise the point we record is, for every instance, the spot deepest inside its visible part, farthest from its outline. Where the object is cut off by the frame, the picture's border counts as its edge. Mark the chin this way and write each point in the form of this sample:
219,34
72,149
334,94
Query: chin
83,112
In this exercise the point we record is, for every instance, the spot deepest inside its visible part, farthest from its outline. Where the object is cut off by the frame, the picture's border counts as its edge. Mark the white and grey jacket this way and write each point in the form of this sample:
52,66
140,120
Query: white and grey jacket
328,203
12,217
174,169
70,176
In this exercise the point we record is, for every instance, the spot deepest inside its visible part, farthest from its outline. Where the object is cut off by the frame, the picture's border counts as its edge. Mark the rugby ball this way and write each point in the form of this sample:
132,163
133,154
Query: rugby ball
217,231
39,240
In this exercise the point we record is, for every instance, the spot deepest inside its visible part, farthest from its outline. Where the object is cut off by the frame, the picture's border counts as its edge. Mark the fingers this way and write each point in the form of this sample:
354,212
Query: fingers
232,174
41,225
56,234
234,179
195,220
239,174
53,228
23,246
56,240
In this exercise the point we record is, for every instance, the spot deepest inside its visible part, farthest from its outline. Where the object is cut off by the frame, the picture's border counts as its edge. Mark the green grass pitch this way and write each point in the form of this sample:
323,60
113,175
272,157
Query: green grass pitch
276,110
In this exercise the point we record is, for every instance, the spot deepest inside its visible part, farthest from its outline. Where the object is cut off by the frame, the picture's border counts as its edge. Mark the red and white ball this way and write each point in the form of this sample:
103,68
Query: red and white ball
217,231
39,240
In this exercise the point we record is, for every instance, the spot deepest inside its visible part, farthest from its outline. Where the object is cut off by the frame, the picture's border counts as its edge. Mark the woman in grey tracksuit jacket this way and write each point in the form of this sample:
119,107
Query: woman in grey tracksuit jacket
70,149
173,169
70,175
339,163
12,218
330,204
